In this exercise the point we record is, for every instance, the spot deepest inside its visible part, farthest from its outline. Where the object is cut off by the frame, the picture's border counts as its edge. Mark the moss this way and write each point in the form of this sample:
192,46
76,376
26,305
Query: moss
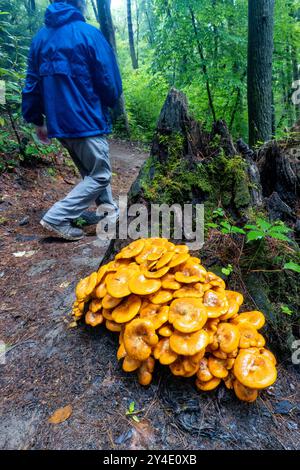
221,179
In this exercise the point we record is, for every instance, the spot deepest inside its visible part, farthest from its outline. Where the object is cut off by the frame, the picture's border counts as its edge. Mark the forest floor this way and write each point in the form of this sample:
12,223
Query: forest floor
49,365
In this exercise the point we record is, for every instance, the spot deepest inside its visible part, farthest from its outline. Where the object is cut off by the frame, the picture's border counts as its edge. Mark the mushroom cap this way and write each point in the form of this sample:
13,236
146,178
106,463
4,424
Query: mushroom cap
116,264
164,353
208,386
216,303
228,337
254,370
204,374
127,309
244,393
145,371
109,301
181,277
217,367
141,285
181,249
155,274
152,251
255,318
131,250
235,300
168,282
220,354
101,290
249,335
187,314
188,344
156,313
178,259
215,280
166,330
95,305
230,363
183,367
130,364
164,259
195,291
107,314
117,284
263,352
86,286
196,358
195,260
161,297
139,337
112,326
190,272
260,341
121,353
101,273
93,319
228,381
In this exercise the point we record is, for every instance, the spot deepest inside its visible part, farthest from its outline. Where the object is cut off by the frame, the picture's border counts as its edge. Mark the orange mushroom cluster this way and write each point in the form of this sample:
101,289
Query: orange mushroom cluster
167,307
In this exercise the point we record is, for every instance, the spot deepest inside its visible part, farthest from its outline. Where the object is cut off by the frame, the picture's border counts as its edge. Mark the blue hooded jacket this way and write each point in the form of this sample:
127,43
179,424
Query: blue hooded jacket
72,77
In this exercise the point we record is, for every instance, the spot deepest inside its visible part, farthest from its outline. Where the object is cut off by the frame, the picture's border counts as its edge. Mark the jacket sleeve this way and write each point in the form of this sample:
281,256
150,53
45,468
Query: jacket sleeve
106,75
32,99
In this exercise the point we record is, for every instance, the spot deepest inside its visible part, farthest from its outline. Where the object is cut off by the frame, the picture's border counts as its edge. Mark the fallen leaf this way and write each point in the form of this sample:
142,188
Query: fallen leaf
64,284
73,324
61,415
27,254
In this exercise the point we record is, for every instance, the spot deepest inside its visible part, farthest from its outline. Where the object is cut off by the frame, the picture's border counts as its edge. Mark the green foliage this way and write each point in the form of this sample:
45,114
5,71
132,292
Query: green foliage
132,413
285,309
263,229
228,270
145,93
292,266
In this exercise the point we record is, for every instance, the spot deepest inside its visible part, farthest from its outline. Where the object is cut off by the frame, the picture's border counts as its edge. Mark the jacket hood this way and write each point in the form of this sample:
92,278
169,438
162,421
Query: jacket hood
58,14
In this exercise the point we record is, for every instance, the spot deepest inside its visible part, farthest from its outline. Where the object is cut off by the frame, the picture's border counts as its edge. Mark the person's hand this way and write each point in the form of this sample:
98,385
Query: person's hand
42,134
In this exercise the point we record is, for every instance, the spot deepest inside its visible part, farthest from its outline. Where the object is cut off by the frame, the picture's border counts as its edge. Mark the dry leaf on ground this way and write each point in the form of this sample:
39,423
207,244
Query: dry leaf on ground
61,415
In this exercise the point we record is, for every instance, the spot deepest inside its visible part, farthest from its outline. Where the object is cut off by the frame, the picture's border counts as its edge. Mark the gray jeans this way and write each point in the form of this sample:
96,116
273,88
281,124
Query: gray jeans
91,156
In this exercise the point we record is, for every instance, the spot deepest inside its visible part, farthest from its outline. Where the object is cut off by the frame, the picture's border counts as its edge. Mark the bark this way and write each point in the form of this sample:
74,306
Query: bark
133,56
95,10
260,51
106,24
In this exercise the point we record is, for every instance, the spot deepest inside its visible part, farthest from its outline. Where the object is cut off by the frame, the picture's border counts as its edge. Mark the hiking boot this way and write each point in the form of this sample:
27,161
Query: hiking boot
91,218
64,230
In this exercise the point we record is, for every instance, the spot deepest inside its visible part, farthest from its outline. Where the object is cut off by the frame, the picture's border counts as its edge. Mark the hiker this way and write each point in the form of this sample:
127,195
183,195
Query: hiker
72,80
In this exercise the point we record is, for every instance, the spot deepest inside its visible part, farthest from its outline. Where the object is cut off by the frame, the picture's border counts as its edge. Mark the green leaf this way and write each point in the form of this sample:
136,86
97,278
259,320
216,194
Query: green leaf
212,225
285,309
131,407
136,419
292,266
278,236
254,235
235,229
263,224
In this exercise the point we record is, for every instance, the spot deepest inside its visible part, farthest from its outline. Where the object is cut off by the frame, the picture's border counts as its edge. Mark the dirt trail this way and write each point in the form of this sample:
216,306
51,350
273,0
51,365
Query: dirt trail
49,365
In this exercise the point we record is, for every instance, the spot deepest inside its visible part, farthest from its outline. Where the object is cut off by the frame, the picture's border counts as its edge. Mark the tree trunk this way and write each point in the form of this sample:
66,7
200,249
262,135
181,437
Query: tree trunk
95,10
106,24
133,56
260,51
203,64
